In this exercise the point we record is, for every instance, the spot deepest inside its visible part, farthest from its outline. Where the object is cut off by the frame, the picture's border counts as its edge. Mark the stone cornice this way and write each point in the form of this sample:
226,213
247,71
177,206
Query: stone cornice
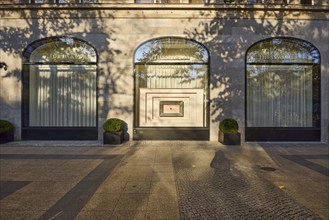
241,11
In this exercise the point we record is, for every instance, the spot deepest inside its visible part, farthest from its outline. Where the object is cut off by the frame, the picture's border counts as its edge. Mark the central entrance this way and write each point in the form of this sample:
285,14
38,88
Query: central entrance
171,90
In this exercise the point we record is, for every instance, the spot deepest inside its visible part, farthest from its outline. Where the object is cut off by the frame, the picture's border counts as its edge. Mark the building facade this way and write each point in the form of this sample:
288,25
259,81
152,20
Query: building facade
171,70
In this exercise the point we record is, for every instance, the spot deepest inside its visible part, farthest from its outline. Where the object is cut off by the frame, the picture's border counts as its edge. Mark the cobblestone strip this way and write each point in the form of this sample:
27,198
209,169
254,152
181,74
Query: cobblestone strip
221,190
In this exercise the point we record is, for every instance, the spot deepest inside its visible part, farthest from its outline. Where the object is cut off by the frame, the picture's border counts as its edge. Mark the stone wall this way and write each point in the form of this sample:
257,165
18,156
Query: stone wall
116,32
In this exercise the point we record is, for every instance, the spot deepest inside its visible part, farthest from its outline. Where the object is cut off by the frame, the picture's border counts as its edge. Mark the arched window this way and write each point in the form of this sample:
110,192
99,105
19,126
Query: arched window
59,90
171,93
283,91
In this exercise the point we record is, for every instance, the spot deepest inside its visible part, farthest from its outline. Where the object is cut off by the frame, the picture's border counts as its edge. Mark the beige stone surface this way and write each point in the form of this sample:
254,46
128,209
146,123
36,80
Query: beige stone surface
116,33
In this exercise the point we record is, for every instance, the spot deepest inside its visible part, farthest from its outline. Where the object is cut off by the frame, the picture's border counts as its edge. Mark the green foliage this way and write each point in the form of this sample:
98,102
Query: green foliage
229,125
5,126
113,125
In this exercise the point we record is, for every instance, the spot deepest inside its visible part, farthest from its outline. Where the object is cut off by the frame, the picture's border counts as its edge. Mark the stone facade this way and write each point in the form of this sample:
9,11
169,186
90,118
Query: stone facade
116,30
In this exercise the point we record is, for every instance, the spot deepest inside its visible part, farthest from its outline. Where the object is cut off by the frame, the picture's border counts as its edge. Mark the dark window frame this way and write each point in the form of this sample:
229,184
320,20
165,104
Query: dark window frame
171,133
278,134
49,132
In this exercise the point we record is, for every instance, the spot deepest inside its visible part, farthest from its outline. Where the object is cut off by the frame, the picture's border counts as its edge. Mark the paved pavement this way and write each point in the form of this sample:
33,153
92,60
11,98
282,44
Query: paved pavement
163,180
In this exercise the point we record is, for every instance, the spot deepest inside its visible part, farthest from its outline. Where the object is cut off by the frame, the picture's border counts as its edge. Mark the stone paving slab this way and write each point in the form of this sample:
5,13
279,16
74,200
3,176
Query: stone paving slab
140,186
160,180
220,190
305,180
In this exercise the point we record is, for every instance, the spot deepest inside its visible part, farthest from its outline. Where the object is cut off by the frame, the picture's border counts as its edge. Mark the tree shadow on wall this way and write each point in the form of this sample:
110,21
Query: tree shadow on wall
228,36
37,23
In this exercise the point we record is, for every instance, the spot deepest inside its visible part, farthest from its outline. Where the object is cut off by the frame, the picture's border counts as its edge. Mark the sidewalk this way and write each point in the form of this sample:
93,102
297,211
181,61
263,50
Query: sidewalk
161,180
303,168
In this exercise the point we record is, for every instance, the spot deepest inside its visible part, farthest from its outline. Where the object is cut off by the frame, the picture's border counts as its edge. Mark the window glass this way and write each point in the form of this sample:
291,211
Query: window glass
171,83
61,85
172,76
283,84
64,50
279,96
283,51
62,95
167,50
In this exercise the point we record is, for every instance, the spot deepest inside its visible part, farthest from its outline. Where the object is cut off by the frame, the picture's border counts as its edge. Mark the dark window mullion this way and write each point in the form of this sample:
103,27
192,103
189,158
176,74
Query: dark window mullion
26,96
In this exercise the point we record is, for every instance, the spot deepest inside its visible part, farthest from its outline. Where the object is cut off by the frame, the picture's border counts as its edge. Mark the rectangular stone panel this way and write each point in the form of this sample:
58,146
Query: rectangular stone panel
171,107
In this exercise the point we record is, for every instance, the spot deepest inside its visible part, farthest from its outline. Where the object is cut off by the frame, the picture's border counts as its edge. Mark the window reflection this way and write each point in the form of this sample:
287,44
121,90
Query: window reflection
61,85
283,50
63,95
171,76
171,63
171,70
282,84
64,50
171,50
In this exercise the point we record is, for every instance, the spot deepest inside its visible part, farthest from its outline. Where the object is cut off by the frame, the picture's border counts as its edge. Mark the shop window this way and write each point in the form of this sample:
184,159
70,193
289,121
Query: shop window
283,90
59,86
171,85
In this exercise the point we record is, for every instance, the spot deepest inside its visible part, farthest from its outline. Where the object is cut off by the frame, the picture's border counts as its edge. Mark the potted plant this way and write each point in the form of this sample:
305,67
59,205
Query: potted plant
6,131
113,131
228,133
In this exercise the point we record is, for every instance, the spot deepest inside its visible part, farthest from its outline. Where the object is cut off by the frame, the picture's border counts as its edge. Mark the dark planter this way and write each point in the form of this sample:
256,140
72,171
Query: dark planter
113,138
229,138
6,137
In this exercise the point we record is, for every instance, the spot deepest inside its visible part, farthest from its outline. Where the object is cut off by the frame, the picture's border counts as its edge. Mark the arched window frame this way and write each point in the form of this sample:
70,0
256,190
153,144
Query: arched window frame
203,132
309,133
60,132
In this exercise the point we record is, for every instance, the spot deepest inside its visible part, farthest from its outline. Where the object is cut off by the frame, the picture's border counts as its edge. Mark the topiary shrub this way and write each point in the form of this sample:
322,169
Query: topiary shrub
113,125
229,125
5,126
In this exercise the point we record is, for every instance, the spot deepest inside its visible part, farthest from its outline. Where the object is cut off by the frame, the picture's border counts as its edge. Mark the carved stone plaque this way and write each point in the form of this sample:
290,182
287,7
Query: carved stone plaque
171,109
